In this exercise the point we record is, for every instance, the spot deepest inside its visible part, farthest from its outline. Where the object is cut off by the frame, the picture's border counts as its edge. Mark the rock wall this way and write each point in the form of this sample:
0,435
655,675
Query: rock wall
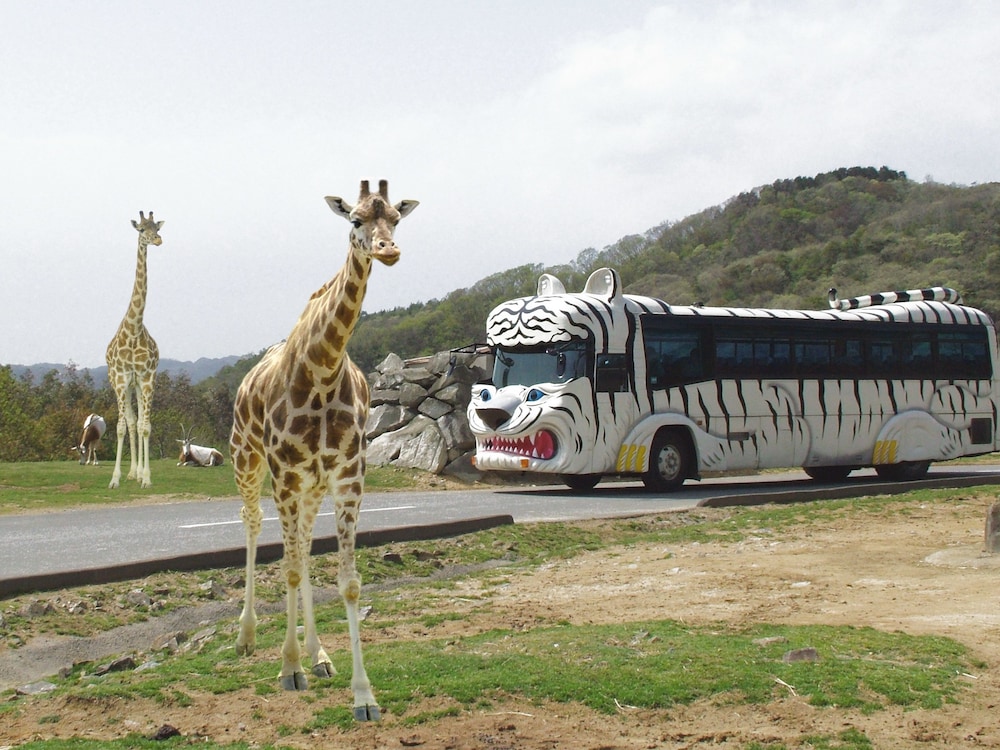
417,417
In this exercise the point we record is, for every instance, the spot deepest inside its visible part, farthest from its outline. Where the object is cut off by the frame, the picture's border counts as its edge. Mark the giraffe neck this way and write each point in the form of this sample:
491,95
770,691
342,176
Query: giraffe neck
320,339
138,304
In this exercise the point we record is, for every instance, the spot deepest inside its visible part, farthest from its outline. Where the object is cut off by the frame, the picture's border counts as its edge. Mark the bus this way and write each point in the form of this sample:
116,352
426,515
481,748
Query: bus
600,383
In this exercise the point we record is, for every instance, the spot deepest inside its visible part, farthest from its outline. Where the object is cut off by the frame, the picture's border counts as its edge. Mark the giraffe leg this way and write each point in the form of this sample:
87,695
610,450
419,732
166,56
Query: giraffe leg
291,676
252,516
320,662
124,407
366,708
130,422
145,406
249,472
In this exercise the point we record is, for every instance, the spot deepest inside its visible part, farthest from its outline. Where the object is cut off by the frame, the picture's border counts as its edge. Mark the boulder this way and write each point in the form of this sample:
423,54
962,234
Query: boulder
418,445
411,395
434,409
386,418
392,363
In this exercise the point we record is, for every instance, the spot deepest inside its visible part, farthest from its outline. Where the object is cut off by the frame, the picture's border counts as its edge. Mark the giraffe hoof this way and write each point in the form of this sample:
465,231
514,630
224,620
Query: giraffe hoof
367,713
324,669
295,681
244,649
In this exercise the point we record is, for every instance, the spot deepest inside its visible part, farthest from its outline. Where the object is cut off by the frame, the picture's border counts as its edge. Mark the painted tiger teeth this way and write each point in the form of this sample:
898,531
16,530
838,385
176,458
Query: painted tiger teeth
540,445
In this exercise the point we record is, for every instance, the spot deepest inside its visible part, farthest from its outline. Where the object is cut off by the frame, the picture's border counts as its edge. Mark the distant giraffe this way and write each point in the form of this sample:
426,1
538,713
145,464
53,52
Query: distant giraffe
132,358
300,413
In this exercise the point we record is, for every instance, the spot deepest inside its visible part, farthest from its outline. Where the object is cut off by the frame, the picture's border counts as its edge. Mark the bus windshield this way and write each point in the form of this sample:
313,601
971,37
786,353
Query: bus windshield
531,365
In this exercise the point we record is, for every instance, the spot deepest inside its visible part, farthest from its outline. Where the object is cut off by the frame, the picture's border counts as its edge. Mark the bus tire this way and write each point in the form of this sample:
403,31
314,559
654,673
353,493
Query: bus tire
670,460
581,482
904,471
828,473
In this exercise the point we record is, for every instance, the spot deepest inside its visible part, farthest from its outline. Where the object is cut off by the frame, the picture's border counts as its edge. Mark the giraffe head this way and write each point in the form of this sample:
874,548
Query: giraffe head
148,229
374,220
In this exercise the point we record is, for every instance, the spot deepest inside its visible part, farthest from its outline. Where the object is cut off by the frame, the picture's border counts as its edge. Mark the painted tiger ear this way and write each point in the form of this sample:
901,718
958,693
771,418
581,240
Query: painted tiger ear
604,282
549,284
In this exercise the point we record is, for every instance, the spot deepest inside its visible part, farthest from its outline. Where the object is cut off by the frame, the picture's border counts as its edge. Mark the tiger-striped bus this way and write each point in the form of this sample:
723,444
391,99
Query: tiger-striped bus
602,383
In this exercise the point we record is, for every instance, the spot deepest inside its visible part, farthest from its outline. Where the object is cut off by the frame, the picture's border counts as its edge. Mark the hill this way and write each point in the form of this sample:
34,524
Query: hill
197,371
859,229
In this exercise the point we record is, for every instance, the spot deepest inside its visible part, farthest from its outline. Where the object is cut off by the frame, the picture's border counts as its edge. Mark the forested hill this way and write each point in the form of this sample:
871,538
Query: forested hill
860,229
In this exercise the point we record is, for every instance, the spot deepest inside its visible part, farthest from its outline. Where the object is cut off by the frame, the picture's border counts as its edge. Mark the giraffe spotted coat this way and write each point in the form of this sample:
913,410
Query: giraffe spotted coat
300,415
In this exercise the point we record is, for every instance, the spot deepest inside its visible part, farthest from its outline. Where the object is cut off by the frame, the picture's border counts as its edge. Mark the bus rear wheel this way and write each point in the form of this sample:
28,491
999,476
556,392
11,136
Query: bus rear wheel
904,471
581,482
669,462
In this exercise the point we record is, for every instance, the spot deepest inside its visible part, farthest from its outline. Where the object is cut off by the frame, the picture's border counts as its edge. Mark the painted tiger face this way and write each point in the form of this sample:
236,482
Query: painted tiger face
546,427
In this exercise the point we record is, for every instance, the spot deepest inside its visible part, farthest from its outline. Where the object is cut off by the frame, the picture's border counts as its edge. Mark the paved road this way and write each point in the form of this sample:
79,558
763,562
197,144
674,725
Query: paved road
44,543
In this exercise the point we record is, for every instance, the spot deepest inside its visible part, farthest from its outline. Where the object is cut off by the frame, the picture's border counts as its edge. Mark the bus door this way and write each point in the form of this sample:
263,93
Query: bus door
617,406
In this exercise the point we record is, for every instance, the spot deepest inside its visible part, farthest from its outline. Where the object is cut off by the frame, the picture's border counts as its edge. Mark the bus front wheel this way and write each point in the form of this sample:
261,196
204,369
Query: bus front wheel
827,473
669,462
581,482
904,471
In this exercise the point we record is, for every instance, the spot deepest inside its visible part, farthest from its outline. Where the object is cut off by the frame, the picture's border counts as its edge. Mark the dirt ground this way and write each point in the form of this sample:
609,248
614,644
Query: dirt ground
922,572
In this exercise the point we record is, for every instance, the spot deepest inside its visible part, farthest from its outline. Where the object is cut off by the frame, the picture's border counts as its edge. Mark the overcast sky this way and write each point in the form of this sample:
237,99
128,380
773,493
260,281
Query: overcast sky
529,130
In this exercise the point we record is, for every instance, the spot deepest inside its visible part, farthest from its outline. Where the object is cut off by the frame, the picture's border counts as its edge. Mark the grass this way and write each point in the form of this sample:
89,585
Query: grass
651,665
517,546
60,485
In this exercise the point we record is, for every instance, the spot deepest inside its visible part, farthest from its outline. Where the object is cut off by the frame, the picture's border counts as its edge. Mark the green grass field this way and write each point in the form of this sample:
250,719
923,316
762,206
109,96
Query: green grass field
650,665
55,485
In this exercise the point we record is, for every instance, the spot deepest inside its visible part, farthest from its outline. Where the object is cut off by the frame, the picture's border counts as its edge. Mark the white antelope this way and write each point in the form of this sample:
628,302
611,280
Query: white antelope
197,455
93,430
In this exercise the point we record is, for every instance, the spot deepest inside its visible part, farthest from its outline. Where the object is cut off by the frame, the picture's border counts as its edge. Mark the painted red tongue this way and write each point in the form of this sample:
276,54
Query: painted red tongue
544,444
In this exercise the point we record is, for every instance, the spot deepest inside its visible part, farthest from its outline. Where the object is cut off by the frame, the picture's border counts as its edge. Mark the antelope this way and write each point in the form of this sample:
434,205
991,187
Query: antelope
197,455
93,430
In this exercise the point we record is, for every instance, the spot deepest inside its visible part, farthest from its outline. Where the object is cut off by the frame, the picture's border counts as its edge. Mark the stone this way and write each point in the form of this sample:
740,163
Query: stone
121,664
36,608
35,688
993,529
456,394
137,598
392,362
419,375
411,395
426,450
169,641
457,435
386,418
767,641
204,634
800,654
165,733
384,396
214,589
440,362
433,408
387,380
462,468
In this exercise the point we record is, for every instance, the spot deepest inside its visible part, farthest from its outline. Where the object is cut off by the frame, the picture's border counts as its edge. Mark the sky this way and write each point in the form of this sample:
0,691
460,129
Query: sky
528,130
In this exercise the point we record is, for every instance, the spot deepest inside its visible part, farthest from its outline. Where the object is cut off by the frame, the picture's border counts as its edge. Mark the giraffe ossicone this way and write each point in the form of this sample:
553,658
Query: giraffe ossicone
300,415
132,357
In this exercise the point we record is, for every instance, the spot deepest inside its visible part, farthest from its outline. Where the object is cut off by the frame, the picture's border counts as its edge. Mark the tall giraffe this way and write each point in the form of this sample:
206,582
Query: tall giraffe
300,414
132,358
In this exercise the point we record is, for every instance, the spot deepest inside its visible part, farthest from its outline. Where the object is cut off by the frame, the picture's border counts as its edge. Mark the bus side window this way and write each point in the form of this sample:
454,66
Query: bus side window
611,374
654,367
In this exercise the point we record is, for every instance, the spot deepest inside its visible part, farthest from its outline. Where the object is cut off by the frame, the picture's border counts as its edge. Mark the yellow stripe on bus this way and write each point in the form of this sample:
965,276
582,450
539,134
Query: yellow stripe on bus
630,457
885,452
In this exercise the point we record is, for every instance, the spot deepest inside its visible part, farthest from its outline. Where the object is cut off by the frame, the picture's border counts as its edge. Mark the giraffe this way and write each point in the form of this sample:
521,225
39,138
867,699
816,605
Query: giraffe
132,357
300,414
